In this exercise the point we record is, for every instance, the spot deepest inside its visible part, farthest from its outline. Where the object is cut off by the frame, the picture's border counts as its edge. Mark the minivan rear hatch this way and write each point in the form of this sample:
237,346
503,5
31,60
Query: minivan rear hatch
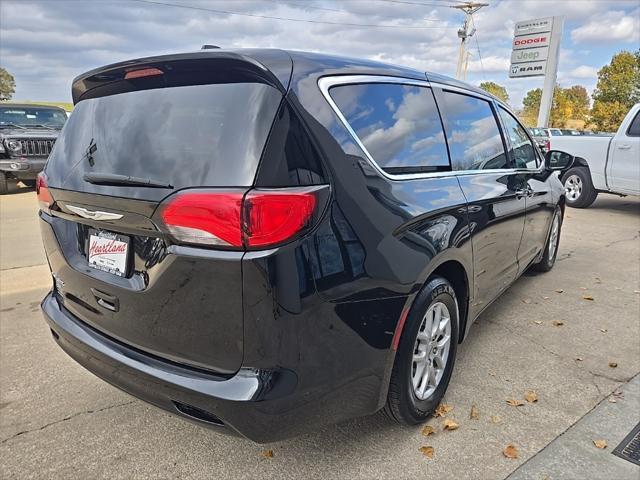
141,132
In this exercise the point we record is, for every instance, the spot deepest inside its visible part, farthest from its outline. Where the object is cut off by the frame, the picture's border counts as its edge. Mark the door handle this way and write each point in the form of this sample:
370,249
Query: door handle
624,147
524,192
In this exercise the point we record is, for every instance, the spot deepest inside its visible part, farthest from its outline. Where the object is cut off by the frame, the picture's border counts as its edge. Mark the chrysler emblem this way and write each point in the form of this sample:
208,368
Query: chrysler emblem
93,214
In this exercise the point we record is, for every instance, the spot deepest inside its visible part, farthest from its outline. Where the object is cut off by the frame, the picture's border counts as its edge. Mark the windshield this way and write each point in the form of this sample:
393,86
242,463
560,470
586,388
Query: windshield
32,117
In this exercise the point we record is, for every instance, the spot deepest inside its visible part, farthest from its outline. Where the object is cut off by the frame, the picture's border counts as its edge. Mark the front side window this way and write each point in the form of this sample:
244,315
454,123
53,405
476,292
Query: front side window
474,138
522,150
398,124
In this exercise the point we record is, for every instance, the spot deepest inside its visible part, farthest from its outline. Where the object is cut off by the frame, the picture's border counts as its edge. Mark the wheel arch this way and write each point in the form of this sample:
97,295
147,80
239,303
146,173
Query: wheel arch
455,273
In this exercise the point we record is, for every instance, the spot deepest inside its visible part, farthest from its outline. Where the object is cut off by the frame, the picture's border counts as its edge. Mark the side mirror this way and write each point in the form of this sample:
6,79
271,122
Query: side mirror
556,160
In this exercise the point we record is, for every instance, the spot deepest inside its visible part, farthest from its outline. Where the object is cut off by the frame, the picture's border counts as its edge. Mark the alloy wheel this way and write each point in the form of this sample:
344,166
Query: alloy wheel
431,350
573,187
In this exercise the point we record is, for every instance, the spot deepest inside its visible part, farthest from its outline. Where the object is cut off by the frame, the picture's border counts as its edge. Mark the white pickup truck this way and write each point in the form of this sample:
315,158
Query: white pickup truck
603,163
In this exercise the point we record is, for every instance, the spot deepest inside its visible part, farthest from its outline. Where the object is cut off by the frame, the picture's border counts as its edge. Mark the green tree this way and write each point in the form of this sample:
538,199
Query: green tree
617,90
531,103
7,84
579,98
496,90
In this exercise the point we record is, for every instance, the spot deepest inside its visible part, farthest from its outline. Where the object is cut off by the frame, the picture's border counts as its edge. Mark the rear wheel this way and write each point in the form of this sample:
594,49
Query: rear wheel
580,192
551,249
426,354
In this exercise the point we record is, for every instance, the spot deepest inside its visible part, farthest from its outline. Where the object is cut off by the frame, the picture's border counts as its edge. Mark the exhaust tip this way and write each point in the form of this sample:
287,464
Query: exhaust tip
197,413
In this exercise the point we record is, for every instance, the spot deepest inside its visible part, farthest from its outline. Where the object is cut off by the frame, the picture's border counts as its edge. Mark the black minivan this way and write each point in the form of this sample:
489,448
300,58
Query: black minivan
265,241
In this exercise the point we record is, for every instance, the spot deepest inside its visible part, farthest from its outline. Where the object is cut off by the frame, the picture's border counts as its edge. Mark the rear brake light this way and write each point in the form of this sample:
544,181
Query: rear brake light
547,145
231,219
42,192
143,72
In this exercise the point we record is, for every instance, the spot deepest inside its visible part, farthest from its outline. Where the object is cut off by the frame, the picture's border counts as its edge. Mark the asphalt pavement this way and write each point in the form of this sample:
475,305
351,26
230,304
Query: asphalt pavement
558,334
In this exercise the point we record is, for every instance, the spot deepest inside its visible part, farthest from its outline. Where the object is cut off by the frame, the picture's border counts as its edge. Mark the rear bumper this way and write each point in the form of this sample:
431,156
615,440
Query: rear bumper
261,404
251,403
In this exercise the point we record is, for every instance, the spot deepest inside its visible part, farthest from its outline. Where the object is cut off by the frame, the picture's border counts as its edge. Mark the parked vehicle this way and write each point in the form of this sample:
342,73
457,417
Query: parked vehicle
27,135
541,137
607,164
266,241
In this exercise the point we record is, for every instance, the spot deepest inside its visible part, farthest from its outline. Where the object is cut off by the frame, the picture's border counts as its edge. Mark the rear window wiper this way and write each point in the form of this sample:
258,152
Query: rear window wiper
123,180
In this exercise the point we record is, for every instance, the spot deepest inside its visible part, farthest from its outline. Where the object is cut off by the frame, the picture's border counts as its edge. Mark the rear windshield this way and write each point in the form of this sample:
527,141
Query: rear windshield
200,135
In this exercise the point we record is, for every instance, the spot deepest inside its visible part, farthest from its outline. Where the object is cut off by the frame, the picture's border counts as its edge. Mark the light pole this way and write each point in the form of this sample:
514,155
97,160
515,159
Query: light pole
464,33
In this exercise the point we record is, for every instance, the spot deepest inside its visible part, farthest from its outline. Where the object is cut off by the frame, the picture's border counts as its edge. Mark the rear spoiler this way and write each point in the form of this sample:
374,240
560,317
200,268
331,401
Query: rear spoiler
198,68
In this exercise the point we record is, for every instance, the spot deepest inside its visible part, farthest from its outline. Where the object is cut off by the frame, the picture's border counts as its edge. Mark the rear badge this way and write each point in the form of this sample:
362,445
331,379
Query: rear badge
94,214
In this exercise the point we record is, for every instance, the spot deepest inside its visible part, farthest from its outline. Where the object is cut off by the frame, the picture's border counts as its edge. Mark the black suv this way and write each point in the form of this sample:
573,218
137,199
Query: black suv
27,135
267,241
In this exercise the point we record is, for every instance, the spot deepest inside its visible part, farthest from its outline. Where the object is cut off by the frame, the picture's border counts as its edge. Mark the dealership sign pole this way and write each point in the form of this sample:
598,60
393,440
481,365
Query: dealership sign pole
536,48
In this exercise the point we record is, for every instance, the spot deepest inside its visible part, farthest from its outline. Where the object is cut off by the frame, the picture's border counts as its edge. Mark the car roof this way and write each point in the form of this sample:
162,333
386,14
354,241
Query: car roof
291,66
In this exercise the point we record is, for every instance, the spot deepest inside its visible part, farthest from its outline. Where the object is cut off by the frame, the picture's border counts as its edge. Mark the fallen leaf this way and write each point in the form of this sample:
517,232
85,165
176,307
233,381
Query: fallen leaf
615,396
588,297
538,322
579,359
612,400
496,418
636,291
474,415
450,424
493,374
584,288
603,330
428,430
531,396
613,364
442,410
526,300
559,290
427,451
597,279
267,453
545,298
557,323
600,444
510,451
515,403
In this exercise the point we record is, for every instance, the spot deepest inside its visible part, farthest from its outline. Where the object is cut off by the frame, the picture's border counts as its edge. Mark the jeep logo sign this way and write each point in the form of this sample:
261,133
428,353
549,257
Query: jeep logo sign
529,55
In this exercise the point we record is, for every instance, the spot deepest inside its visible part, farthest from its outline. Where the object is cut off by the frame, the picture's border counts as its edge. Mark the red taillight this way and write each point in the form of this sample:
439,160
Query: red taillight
205,218
229,218
42,192
273,217
143,72
547,145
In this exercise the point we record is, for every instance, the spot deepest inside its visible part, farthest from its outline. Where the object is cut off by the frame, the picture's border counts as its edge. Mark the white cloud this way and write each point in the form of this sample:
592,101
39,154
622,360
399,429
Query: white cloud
583,71
616,26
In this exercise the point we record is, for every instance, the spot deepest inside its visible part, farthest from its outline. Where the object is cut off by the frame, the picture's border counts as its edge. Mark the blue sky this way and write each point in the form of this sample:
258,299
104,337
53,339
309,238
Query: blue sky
64,38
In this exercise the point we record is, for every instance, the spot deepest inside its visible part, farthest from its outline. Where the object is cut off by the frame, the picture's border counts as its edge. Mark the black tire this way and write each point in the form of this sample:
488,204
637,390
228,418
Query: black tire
403,405
4,184
550,254
588,193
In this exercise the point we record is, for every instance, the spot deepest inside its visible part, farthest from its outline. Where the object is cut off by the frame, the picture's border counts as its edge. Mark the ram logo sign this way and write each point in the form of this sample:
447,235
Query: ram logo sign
527,69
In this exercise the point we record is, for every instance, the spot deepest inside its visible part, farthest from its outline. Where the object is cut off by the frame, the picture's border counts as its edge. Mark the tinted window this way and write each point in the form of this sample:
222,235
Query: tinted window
634,128
398,124
474,139
521,148
200,135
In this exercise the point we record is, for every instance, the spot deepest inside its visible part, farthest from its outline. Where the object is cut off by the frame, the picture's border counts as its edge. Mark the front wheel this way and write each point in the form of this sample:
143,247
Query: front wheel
551,248
579,189
426,354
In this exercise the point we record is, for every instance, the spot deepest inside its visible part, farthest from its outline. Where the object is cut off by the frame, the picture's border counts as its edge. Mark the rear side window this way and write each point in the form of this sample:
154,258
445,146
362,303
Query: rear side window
634,128
474,139
521,148
398,124
199,135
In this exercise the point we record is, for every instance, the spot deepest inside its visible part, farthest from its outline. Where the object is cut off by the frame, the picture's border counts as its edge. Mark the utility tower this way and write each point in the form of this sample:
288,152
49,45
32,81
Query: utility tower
464,33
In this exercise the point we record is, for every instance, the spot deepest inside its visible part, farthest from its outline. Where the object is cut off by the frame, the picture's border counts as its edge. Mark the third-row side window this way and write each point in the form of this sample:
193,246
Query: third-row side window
398,124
